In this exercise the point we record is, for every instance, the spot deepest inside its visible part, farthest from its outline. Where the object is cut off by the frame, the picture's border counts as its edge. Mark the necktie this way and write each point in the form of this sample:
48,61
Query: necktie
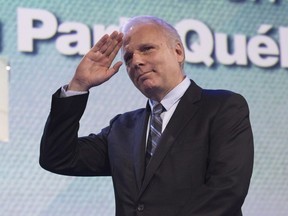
155,130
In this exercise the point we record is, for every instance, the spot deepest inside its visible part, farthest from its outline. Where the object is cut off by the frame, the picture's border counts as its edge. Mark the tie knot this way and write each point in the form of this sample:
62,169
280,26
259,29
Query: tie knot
157,108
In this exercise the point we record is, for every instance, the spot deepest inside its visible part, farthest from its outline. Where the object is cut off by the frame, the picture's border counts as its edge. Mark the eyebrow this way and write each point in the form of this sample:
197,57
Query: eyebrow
142,45
139,47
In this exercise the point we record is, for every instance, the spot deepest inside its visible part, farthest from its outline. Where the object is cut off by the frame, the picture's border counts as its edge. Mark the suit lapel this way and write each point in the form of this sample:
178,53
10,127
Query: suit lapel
139,147
185,110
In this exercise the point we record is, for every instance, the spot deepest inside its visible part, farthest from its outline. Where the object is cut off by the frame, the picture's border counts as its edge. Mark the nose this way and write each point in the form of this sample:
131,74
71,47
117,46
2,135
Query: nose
137,60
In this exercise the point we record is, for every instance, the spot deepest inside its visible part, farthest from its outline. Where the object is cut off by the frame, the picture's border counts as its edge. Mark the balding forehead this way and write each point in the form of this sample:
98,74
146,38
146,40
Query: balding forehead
138,24
142,27
142,35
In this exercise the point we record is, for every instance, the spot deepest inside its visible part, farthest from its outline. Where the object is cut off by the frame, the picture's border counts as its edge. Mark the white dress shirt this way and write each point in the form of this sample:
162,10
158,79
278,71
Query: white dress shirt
171,100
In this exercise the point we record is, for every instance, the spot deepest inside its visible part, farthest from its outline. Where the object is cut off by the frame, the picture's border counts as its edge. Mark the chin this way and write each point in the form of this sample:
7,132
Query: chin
147,87
150,92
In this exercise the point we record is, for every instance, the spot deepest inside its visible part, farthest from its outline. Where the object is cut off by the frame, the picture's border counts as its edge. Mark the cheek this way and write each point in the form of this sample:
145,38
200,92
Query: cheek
131,75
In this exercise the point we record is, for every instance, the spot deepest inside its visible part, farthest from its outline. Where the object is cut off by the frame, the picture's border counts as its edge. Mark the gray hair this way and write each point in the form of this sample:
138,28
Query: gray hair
167,29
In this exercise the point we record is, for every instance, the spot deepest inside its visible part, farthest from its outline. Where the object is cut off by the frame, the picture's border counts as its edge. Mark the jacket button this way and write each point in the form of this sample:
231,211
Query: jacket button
140,207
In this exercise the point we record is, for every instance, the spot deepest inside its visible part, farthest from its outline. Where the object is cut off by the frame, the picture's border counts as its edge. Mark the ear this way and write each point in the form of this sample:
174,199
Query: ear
179,51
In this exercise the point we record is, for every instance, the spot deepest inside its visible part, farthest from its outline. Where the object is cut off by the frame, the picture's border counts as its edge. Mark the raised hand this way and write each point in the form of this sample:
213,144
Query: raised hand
95,67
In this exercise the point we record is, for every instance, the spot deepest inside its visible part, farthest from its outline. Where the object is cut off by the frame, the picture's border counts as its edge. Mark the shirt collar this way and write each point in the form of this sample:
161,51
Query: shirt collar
174,95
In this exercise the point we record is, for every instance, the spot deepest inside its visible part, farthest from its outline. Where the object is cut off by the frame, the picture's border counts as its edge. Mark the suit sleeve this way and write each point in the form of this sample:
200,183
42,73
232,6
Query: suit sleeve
61,151
230,163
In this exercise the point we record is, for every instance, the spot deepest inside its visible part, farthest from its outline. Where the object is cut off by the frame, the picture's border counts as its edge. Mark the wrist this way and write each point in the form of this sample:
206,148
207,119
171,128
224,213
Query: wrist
76,86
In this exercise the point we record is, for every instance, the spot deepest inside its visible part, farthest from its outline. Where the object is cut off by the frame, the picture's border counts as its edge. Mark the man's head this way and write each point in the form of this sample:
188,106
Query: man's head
154,55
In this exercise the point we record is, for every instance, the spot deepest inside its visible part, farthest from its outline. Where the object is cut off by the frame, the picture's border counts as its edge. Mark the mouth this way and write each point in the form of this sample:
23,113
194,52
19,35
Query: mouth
142,75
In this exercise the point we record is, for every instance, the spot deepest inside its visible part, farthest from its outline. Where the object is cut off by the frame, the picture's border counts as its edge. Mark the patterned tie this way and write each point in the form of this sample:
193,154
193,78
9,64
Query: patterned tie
155,130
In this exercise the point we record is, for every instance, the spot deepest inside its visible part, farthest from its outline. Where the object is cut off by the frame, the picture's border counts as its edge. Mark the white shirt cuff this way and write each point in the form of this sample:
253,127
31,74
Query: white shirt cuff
68,93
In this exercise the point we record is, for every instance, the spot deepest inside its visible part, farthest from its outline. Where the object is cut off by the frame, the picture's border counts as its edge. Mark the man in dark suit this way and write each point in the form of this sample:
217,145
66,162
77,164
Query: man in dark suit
194,159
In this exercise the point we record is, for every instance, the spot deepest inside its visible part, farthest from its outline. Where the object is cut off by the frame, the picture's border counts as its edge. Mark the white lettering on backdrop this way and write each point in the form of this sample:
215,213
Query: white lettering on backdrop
202,45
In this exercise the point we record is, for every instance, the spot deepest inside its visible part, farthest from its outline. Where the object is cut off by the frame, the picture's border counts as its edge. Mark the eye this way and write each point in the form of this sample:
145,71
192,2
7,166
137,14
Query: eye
146,48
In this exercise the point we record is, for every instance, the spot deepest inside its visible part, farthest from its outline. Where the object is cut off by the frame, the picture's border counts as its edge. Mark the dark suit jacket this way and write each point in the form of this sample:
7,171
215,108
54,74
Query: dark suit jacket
202,166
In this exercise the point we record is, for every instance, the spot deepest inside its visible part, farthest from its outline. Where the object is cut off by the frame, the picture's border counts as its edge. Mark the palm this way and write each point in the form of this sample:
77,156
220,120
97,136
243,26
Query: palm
95,67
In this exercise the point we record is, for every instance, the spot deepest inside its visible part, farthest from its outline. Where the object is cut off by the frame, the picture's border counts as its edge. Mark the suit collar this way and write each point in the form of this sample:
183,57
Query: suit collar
184,112
139,145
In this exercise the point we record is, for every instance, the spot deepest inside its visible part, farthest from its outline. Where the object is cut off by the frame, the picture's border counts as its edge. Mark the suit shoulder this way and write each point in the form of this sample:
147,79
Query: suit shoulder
221,97
220,94
217,93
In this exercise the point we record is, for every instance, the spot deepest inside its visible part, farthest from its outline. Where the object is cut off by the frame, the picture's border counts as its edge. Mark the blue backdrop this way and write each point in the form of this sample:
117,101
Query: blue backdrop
236,45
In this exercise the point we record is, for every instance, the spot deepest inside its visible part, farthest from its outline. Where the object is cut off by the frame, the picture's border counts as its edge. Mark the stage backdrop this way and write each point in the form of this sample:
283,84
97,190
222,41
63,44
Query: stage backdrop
238,45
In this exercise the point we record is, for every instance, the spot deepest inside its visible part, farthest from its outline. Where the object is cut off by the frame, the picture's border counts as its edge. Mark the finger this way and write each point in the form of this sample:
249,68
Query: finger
112,43
106,42
103,40
113,70
115,51
114,47
114,35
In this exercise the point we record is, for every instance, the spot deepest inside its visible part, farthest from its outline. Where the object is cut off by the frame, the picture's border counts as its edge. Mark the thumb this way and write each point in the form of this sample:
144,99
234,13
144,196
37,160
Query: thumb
115,68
